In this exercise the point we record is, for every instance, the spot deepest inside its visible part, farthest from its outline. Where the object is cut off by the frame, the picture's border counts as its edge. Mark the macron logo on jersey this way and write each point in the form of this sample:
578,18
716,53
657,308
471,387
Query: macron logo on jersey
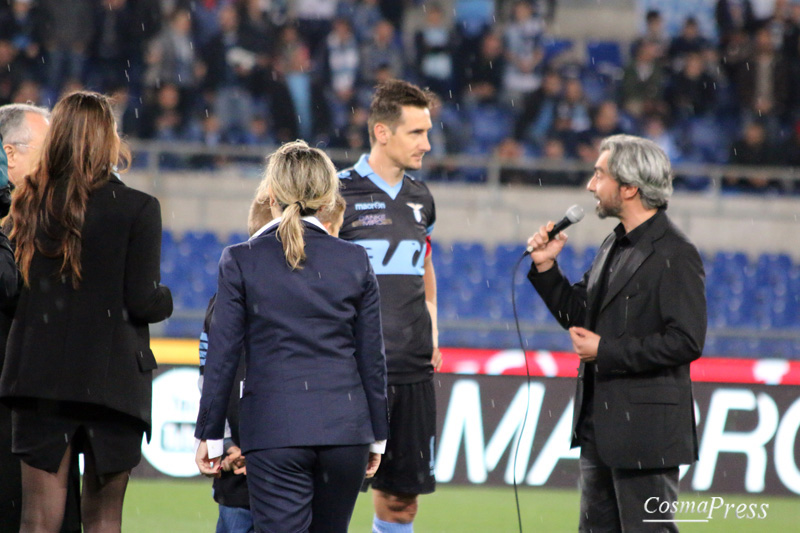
417,211
365,206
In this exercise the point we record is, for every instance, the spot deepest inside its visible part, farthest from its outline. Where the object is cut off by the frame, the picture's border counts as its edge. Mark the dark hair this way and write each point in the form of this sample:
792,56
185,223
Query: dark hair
388,102
80,151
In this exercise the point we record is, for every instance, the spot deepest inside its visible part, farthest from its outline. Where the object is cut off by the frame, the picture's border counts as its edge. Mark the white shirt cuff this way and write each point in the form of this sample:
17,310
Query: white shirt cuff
215,447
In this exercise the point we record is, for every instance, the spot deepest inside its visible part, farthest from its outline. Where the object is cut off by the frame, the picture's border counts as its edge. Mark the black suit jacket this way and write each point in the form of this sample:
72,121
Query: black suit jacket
92,344
316,369
652,324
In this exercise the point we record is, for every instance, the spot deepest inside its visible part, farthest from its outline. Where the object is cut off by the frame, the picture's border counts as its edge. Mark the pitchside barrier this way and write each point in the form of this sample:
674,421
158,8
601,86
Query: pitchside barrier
748,415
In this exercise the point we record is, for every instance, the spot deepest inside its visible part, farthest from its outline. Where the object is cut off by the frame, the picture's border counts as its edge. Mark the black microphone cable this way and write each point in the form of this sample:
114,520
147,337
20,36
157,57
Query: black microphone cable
527,381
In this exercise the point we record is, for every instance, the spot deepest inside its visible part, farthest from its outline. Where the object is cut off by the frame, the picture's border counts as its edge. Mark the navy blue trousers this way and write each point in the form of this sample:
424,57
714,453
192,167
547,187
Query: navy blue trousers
314,488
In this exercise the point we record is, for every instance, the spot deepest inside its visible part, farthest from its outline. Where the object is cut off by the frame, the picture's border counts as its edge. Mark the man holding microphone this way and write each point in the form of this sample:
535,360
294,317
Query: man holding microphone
637,320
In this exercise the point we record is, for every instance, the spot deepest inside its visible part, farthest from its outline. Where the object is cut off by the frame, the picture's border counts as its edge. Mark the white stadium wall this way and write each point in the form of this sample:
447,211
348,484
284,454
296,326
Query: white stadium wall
753,224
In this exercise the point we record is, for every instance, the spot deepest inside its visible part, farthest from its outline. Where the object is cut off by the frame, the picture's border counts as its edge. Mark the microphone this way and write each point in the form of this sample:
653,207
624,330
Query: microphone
573,215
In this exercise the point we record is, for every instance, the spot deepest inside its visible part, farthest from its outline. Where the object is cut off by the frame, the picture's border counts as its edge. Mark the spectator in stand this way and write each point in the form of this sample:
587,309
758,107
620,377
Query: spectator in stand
737,51
791,35
355,132
510,152
116,49
11,71
257,26
27,92
642,86
171,56
752,149
205,19
483,75
572,110
539,110
791,151
692,91
275,100
655,129
762,83
524,52
434,46
605,122
341,60
308,98
382,51
791,51
314,18
126,111
230,60
733,16
21,25
66,37
259,133
446,138
164,115
689,41
289,40
364,15
211,134
654,34
555,152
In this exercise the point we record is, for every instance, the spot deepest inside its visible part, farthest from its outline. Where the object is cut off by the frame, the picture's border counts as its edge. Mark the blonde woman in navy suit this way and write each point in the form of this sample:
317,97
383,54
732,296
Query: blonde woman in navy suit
304,307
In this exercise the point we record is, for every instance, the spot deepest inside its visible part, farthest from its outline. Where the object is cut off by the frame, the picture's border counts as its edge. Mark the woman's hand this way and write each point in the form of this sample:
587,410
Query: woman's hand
373,463
207,466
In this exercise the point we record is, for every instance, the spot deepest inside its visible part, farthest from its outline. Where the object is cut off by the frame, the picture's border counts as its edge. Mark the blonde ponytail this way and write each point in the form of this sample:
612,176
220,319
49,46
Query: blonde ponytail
302,180
290,233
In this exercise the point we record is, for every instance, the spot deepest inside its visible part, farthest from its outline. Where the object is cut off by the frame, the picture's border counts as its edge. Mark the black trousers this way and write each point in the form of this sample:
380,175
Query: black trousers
613,499
306,488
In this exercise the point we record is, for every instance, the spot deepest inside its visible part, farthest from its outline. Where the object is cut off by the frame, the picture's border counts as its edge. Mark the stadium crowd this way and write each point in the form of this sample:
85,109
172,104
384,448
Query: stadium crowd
260,72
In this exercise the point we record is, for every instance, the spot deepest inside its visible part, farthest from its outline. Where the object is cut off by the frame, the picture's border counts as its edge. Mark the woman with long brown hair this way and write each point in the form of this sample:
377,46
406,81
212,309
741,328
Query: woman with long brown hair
303,307
77,374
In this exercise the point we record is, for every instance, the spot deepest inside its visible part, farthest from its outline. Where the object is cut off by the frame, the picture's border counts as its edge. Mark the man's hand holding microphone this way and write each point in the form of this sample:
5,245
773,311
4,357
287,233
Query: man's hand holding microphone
543,247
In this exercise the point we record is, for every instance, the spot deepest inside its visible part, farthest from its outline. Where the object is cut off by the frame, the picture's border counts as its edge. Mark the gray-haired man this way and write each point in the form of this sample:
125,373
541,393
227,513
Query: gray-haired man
22,128
637,320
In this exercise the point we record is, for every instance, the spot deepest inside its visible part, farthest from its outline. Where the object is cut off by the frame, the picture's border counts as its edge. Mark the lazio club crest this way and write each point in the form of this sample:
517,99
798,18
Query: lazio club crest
417,211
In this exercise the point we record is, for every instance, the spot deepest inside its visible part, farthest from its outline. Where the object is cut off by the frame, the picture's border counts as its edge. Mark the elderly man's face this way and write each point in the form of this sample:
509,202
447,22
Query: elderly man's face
22,156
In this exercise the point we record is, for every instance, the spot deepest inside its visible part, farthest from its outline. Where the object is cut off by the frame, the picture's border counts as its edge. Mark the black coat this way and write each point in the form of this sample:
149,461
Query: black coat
92,344
652,324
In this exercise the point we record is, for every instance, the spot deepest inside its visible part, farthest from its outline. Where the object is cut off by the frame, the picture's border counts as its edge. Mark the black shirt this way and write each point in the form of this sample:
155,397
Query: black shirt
619,253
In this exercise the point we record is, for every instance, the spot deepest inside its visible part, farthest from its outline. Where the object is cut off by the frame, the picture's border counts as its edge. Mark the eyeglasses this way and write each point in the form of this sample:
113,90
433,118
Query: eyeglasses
26,145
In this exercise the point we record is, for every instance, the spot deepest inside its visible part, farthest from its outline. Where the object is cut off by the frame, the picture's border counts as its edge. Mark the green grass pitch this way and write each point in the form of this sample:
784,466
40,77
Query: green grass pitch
186,506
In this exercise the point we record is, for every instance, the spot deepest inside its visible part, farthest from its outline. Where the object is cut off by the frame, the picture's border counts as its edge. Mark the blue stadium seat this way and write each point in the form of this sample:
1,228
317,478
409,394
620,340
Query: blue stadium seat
740,312
554,46
236,238
604,57
468,262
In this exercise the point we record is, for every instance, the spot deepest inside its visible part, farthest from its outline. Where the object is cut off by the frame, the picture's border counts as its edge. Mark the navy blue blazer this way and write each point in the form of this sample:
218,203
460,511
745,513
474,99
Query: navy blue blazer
316,369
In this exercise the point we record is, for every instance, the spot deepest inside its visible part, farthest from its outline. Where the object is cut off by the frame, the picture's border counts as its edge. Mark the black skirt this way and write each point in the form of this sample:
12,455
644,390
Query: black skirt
42,430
